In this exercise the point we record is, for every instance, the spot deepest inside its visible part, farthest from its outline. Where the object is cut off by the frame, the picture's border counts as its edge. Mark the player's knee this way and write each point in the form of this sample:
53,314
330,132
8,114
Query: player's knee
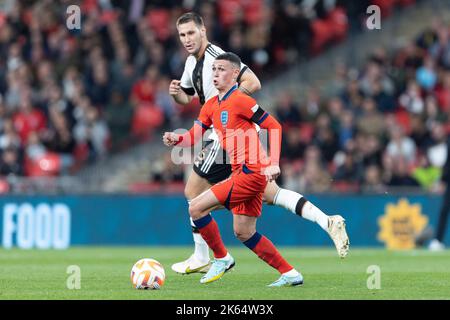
270,192
243,234
194,210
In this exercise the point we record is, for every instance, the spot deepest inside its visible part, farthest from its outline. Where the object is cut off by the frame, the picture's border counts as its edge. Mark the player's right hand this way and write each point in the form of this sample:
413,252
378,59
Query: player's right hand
170,138
272,172
174,87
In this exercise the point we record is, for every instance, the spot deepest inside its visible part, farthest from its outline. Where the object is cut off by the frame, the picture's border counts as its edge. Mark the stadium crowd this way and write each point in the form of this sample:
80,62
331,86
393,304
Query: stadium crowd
69,96
385,126
72,96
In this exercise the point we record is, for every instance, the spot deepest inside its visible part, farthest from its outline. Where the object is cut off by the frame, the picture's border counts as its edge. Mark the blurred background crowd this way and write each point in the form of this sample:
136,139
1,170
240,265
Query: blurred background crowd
71,97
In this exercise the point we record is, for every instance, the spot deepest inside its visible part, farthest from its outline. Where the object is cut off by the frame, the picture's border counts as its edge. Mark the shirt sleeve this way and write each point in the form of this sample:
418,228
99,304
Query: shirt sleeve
202,124
186,82
244,67
248,107
252,111
205,118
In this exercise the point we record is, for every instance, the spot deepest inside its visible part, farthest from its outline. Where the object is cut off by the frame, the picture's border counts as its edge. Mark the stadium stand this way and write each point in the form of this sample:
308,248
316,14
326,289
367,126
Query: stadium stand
72,98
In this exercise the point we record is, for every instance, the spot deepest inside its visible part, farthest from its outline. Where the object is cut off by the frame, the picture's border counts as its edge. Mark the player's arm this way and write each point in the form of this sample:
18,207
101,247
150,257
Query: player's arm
180,94
252,111
248,81
192,136
265,121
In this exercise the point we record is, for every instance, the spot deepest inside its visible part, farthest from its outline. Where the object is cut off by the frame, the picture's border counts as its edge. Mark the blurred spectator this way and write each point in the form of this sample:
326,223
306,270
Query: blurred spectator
373,180
9,136
437,150
412,99
400,175
426,75
287,111
425,174
164,170
401,146
346,128
118,115
314,178
28,118
327,141
93,132
350,170
293,146
10,164
371,121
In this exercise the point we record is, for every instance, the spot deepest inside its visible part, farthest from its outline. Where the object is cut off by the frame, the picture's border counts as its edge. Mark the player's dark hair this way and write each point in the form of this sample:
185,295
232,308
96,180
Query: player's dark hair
232,57
191,16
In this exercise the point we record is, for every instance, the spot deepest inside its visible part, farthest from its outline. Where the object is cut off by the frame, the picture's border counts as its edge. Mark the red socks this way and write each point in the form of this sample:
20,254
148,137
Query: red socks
210,233
266,251
259,244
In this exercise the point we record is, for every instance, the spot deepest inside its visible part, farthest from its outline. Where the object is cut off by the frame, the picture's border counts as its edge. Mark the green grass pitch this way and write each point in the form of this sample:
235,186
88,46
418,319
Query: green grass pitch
416,274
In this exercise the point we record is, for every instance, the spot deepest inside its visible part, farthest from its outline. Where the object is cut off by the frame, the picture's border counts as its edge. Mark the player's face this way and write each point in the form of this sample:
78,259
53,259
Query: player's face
224,74
191,36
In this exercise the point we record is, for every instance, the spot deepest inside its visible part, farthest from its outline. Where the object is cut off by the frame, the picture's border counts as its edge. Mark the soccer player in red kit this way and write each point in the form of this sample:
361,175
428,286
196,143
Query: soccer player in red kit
233,116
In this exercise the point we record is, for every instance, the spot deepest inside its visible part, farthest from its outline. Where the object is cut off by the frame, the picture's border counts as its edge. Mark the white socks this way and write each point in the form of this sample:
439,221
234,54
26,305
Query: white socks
226,258
312,213
201,251
292,273
288,199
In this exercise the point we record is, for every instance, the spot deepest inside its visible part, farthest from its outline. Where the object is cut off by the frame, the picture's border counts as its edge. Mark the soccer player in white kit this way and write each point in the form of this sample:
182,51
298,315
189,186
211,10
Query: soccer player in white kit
208,169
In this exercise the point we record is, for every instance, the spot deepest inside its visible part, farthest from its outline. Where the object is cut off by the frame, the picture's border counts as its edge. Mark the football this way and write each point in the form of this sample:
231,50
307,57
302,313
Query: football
147,274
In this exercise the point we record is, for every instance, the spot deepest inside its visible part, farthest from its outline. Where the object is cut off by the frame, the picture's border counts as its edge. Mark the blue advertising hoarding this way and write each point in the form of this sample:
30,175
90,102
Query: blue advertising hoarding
57,222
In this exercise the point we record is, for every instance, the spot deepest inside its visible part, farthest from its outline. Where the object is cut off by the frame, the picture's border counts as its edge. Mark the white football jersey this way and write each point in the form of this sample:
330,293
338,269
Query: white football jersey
197,77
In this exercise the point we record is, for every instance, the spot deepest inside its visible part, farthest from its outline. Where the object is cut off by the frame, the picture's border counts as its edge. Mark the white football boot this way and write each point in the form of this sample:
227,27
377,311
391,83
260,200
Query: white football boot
337,232
436,245
191,265
218,269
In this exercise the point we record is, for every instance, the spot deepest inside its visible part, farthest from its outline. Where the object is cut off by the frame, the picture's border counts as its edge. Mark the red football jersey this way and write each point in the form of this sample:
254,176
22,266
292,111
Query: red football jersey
234,117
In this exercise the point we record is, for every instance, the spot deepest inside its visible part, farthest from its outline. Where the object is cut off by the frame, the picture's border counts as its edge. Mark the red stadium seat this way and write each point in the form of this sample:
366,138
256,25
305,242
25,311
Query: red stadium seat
403,119
156,187
322,34
146,118
47,165
228,11
2,19
306,132
254,11
159,21
144,187
386,6
338,23
4,186
345,186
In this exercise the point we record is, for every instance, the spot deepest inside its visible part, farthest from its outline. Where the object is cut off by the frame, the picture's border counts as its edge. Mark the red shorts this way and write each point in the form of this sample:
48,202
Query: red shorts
241,193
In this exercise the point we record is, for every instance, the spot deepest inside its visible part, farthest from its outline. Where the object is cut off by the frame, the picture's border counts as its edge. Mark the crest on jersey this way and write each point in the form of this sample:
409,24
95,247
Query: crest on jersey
224,117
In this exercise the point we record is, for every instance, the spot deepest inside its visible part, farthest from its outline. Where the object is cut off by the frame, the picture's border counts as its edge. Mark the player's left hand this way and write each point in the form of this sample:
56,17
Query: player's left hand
170,138
272,173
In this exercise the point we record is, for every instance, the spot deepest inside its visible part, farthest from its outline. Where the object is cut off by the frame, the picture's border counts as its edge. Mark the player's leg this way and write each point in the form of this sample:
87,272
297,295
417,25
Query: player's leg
437,244
199,210
210,167
199,260
299,205
245,230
